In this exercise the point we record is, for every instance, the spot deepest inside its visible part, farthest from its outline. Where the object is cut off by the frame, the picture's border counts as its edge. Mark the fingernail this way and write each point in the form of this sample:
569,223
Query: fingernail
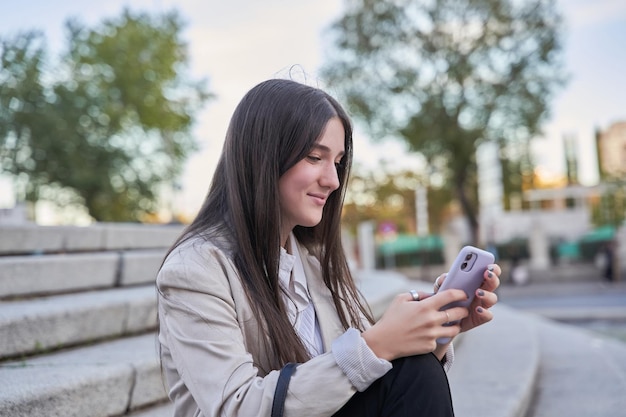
490,274
480,293
490,268
479,309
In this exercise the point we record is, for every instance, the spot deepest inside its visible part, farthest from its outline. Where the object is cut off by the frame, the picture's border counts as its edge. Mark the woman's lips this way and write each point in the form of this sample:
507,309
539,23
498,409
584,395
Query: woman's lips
319,198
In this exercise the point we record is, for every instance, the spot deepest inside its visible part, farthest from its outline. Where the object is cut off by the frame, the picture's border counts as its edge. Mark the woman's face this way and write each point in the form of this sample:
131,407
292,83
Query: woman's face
305,187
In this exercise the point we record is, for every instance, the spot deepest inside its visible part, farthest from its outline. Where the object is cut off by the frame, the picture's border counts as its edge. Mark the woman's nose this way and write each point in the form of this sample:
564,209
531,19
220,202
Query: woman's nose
330,177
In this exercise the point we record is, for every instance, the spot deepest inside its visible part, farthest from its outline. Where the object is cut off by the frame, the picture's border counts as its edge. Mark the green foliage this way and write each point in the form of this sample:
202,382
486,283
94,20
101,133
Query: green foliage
109,124
446,75
610,210
390,196
24,120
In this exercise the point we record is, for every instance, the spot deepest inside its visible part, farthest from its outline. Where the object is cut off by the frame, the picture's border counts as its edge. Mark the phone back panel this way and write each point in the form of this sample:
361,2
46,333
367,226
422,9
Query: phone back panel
467,272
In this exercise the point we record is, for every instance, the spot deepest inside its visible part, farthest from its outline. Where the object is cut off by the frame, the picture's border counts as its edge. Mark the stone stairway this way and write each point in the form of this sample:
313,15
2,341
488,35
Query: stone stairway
78,319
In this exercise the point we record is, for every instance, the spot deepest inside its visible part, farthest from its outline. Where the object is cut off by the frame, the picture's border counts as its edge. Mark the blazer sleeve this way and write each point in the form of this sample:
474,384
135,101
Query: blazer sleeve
205,354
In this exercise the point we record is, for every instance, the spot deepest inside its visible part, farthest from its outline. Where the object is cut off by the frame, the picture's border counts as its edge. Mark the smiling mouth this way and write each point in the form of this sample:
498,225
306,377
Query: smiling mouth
320,199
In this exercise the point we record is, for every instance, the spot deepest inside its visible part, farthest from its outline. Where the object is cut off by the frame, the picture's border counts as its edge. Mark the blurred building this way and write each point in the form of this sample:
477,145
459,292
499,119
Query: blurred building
490,191
611,148
570,143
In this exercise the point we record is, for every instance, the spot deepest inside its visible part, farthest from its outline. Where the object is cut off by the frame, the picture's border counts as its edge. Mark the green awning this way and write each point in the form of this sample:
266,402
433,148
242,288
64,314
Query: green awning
600,234
569,250
410,244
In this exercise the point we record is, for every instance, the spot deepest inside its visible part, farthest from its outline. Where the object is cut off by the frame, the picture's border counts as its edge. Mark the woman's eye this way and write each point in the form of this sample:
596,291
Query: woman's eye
314,158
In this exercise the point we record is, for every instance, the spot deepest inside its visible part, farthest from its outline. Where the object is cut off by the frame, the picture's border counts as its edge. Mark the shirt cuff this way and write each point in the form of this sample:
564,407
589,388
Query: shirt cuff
357,361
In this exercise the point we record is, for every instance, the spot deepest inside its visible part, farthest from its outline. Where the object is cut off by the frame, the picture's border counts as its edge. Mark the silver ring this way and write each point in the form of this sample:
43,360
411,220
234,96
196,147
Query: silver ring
437,285
415,295
447,316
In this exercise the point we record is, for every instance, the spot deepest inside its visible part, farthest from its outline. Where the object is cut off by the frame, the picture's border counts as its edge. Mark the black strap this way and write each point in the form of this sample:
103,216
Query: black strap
281,389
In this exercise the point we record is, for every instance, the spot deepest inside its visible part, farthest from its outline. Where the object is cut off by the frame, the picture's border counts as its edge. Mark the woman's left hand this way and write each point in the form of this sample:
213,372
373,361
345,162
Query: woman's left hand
485,298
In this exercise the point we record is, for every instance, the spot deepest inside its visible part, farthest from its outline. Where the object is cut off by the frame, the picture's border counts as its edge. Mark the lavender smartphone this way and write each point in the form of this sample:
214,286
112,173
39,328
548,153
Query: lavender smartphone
466,273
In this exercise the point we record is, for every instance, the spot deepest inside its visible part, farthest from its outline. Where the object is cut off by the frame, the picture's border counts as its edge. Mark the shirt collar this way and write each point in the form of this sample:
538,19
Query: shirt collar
291,274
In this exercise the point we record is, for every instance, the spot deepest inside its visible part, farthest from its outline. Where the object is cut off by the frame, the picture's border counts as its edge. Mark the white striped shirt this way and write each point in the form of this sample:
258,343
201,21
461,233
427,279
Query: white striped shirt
298,300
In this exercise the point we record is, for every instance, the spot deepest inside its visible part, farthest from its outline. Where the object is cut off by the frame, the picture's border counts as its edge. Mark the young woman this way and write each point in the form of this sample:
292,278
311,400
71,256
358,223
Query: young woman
259,280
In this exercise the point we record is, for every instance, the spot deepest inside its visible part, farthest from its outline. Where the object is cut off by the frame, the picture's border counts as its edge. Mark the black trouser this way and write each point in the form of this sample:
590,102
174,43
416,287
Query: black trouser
416,386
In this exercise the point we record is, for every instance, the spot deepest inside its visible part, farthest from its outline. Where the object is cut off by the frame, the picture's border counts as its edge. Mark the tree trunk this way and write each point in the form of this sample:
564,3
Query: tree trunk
468,210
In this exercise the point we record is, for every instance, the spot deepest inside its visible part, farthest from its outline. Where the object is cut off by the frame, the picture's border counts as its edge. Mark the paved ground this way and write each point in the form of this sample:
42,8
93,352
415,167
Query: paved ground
593,286
595,305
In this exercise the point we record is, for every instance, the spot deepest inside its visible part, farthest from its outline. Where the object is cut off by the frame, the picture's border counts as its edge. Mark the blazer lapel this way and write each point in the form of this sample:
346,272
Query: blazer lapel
327,317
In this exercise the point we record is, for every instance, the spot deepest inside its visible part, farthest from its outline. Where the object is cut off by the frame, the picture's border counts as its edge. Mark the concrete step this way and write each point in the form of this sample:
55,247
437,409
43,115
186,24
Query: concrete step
27,276
107,379
30,238
496,367
41,324
379,287
582,373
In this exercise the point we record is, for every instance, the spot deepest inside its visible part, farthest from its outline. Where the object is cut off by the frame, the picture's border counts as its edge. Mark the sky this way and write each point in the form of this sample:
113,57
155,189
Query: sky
236,44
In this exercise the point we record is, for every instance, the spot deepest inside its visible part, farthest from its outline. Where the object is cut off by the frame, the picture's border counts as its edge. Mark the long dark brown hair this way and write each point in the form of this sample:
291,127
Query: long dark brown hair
275,126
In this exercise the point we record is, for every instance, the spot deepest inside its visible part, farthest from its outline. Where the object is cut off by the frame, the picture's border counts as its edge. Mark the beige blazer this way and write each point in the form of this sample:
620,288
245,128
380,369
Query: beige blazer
209,341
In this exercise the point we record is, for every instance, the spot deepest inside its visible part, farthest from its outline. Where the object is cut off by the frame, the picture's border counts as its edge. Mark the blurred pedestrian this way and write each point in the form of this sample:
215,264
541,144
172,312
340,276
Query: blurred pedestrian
609,260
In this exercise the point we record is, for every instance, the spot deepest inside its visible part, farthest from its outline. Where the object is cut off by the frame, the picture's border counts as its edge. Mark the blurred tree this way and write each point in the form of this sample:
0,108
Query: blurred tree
517,174
384,195
446,75
111,124
610,208
25,121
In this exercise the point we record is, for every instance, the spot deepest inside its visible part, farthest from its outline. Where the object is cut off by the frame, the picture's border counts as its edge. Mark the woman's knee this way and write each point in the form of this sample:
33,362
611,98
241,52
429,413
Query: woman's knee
414,384
419,366
422,374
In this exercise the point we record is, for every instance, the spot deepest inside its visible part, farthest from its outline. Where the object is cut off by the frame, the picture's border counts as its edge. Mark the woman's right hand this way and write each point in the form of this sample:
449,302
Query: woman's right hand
411,327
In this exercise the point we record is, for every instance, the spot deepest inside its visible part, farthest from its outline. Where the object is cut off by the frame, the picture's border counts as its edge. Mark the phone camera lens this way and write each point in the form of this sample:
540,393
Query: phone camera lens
468,257
464,265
